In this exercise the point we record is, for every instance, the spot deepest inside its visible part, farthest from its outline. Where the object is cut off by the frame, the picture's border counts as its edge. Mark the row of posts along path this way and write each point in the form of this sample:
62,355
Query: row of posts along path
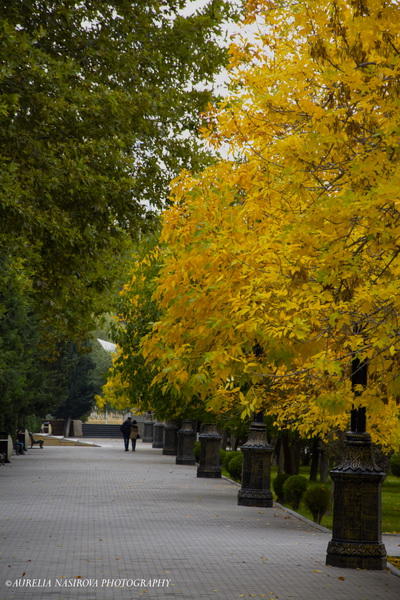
98,523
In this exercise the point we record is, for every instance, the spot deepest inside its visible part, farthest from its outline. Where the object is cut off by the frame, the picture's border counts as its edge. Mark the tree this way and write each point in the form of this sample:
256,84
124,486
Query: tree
73,388
22,374
14,360
97,98
293,249
130,383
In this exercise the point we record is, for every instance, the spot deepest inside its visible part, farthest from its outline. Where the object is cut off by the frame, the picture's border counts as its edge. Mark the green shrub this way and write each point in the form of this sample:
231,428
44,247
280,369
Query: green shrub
222,454
33,424
317,498
293,489
278,485
196,450
228,457
395,464
235,466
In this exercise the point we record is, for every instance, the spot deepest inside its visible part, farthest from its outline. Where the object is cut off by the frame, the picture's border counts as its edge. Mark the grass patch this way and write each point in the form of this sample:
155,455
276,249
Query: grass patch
226,473
390,501
390,504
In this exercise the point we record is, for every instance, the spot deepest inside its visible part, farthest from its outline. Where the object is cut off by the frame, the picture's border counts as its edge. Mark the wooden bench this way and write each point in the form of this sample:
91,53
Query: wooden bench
33,441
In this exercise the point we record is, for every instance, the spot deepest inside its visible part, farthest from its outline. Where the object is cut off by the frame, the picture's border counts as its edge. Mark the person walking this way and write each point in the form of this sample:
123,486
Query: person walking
126,431
134,435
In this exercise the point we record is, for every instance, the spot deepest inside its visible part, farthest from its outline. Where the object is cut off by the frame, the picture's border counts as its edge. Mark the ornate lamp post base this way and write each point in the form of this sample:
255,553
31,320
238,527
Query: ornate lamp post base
158,435
255,490
148,431
186,440
210,442
170,438
356,537
355,555
251,497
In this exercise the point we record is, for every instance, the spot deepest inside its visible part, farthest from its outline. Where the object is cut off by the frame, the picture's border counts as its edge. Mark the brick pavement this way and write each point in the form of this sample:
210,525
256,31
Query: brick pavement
79,516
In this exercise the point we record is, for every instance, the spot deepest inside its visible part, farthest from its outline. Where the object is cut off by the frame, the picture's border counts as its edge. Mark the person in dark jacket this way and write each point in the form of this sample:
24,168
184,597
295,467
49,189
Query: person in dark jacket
126,432
134,435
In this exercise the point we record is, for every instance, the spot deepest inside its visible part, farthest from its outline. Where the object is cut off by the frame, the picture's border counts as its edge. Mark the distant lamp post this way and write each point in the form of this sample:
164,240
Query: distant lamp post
158,435
186,440
170,441
148,429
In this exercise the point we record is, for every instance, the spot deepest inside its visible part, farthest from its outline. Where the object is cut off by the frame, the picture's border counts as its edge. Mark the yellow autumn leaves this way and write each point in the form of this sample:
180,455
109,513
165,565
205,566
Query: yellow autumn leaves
282,266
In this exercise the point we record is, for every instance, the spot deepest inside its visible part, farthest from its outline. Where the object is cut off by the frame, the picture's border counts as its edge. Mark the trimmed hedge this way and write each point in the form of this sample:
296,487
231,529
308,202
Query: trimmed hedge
317,498
278,486
293,490
235,466
222,454
229,454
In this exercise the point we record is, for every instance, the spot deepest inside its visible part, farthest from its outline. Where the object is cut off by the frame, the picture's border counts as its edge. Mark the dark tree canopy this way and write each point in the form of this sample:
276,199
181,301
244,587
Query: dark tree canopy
99,108
96,102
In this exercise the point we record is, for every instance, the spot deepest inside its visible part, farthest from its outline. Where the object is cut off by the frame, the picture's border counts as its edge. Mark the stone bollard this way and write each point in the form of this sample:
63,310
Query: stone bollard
158,435
147,432
356,534
186,440
210,443
255,490
170,438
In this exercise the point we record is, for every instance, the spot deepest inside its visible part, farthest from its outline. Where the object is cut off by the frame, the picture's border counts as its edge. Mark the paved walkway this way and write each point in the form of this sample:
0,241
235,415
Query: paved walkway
102,524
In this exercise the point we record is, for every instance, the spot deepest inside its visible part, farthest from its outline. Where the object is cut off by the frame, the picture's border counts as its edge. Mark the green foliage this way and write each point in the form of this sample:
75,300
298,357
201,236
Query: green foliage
232,461
33,382
21,377
33,423
228,456
102,361
317,498
69,381
196,450
293,490
99,108
395,464
235,427
222,454
136,314
235,466
278,485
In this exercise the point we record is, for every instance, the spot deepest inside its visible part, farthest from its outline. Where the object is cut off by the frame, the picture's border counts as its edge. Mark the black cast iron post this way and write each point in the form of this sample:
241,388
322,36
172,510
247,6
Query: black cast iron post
210,444
356,534
170,438
256,472
148,430
186,440
158,435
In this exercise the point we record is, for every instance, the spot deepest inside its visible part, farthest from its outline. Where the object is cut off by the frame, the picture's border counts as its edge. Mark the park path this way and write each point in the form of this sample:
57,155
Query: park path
86,523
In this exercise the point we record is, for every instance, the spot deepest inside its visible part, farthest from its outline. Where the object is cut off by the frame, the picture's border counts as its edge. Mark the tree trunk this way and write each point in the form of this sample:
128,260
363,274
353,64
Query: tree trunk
67,427
315,459
324,464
